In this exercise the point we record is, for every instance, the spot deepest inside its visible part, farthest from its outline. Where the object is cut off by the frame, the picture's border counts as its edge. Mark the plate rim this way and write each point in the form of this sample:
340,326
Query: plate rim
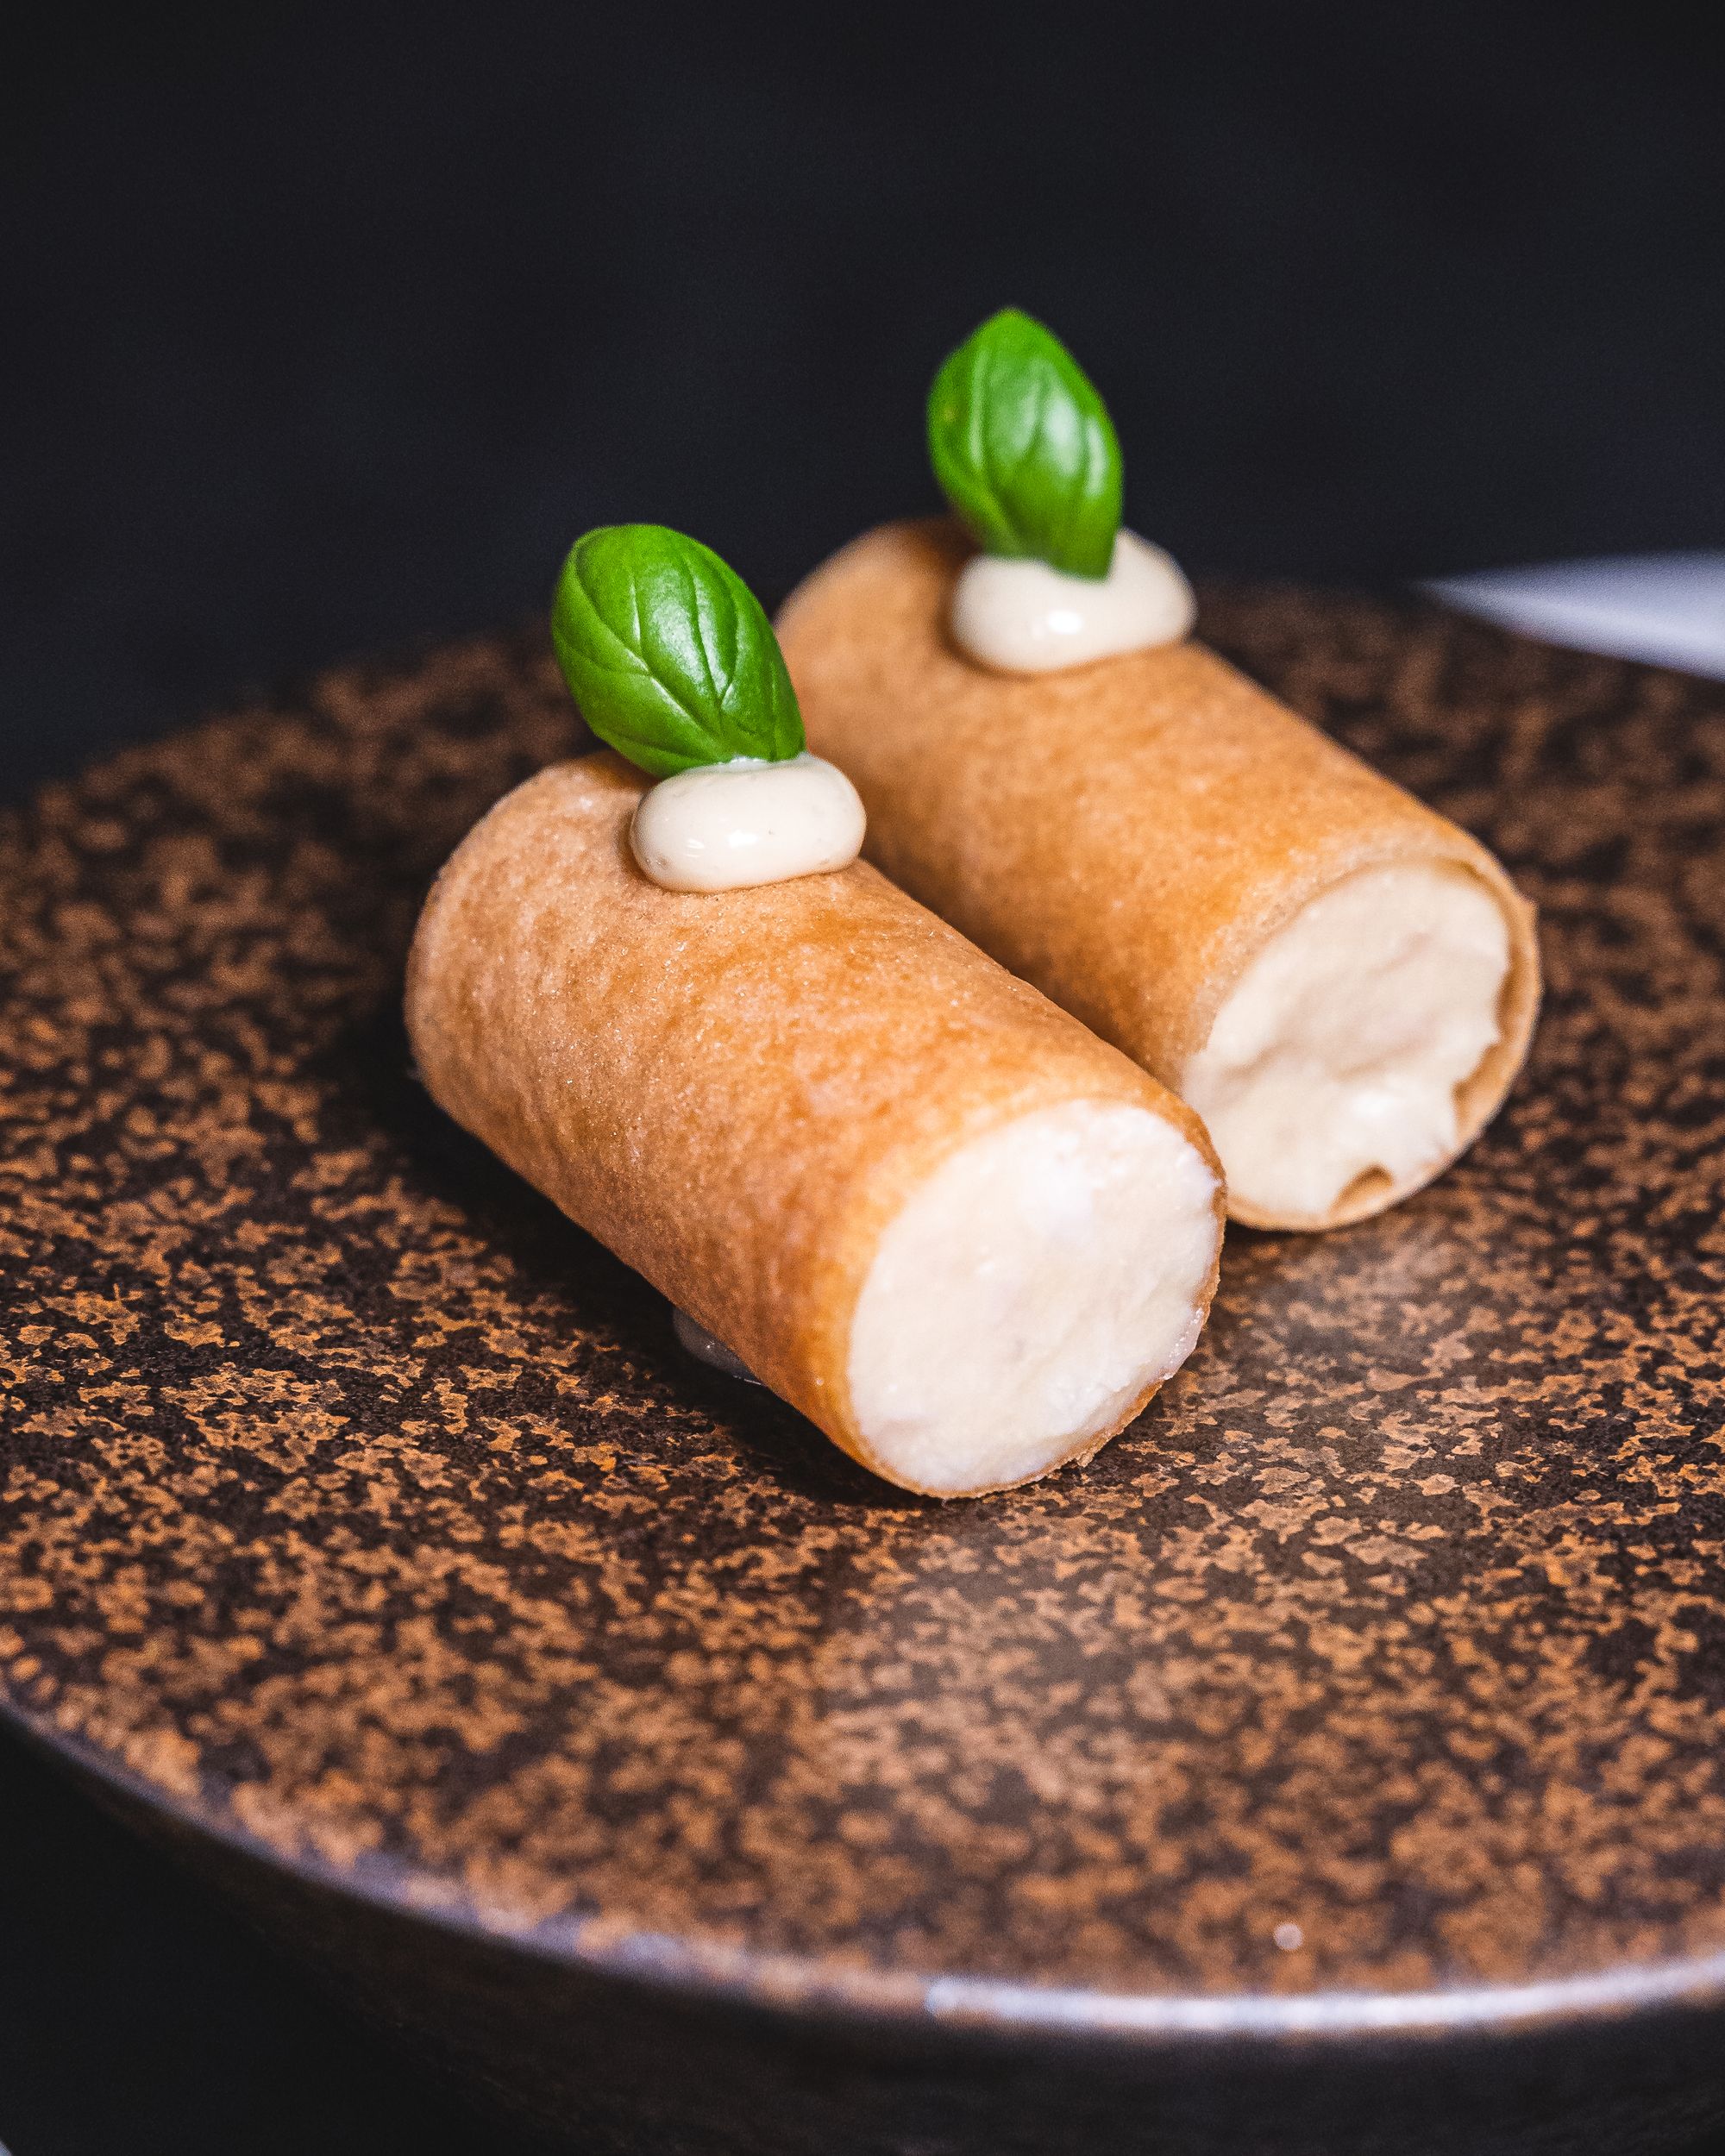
802,1990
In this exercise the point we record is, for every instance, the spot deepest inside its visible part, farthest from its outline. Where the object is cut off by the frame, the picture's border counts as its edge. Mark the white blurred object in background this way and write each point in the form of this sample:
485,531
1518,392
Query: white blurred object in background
1668,609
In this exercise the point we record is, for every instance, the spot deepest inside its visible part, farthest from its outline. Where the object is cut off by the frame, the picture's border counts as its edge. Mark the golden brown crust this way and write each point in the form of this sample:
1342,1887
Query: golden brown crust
734,1093
1125,835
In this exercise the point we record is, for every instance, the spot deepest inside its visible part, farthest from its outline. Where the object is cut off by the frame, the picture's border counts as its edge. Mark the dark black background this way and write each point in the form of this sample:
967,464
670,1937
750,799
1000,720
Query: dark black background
138,2018
330,327
326,328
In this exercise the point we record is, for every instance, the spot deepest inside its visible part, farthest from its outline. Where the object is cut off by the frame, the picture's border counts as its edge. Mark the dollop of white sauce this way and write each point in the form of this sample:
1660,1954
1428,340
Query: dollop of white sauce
1340,1048
724,825
1023,617
1027,1294
707,1347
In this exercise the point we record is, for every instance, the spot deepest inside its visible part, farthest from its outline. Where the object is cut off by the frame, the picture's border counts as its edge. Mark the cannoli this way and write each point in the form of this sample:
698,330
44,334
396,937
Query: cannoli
962,1236
1342,983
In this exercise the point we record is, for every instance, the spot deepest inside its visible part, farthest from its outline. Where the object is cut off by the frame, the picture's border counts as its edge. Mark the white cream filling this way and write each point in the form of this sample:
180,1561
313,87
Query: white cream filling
724,825
1023,617
1340,1048
1028,1292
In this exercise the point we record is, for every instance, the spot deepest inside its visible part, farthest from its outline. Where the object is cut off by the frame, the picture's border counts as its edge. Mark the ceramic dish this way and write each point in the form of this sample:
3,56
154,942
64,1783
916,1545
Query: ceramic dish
1335,1764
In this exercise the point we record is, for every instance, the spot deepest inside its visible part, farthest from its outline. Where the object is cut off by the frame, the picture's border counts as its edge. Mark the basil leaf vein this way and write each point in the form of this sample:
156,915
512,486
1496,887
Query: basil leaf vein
669,654
1023,449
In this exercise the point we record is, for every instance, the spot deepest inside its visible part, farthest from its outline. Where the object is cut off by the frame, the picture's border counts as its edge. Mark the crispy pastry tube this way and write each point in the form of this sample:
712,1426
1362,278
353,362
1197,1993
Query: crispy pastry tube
1341,981
957,1231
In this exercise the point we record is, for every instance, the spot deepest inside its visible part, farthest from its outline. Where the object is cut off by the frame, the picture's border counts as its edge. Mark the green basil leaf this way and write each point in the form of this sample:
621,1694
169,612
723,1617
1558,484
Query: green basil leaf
1024,448
668,652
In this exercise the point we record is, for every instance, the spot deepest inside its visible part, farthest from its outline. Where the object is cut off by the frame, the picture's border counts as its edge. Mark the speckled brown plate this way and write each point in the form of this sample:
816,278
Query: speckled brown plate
1361,1704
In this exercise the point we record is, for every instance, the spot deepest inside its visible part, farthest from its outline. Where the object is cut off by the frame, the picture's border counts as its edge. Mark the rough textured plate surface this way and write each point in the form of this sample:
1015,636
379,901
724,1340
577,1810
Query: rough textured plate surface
358,1506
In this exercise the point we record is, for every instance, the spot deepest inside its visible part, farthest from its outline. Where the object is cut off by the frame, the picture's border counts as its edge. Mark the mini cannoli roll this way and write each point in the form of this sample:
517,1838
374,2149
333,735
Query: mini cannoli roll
1342,983
962,1236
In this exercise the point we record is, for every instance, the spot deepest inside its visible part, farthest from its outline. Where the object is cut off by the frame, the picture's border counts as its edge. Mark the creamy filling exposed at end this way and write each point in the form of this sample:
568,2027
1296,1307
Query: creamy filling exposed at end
1341,1047
724,825
707,1347
1022,616
1039,1281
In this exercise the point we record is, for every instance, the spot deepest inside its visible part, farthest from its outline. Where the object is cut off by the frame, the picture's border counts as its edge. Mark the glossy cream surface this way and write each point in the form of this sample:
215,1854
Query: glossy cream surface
1340,1048
723,826
1029,1292
1022,616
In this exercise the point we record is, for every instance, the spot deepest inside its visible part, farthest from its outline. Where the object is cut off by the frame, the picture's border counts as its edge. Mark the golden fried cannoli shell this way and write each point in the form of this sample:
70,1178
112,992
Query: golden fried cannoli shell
1125,834
736,1093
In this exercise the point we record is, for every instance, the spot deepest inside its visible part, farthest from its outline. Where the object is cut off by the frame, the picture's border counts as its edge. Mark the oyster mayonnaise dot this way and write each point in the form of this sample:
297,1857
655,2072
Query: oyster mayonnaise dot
1023,617
724,826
